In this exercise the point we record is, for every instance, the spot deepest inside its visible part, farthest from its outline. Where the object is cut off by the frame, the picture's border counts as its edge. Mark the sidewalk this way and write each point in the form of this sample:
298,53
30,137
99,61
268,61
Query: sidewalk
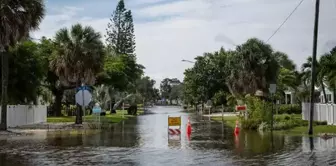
220,114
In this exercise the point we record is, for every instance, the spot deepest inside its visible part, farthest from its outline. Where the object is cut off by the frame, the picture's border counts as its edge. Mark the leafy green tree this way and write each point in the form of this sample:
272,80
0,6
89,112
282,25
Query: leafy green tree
156,94
17,18
165,88
120,30
190,87
145,86
176,92
120,74
26,74
78,57
207,77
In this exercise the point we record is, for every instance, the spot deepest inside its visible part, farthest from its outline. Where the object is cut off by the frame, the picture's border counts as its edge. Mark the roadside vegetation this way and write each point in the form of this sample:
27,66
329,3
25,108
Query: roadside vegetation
49,69
242,76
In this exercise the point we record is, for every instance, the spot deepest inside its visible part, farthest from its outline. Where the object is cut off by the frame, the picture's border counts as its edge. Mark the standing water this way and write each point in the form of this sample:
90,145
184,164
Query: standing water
144,141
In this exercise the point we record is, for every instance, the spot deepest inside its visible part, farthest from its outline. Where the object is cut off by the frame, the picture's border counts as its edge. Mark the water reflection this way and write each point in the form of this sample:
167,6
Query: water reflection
144,141
318,144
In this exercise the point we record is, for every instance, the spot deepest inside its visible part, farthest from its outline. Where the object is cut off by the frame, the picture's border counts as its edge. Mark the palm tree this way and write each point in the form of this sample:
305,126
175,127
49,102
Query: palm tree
320,73
328,69
78,57
288,77
253,67
17,19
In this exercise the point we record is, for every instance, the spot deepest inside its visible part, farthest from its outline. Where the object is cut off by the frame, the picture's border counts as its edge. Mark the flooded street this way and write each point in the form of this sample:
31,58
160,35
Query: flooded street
144,141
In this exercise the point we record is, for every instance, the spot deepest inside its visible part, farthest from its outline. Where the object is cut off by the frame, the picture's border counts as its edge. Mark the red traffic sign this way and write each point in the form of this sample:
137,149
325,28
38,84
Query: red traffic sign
240,107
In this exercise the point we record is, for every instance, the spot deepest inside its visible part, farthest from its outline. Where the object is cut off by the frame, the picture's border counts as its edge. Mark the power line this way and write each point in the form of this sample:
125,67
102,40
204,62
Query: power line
276,31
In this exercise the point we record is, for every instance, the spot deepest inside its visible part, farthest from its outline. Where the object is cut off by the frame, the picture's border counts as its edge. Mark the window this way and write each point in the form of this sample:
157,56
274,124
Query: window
329,98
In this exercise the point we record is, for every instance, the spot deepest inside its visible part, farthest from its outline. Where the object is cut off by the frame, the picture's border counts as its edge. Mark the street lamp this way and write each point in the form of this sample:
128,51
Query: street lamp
183,60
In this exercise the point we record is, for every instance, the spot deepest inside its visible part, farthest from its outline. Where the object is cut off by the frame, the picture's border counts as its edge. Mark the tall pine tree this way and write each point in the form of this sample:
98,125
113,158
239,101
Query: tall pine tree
120,30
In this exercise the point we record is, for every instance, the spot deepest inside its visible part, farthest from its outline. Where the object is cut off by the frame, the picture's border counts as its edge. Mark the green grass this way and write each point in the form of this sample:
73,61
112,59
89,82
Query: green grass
109,118
229,120
62,119
301,130
316,129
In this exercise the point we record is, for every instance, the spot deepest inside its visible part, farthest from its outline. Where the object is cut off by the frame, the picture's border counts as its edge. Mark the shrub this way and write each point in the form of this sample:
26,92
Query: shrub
258,111
290,109
282,117
321,122
284,125
259,116
250,124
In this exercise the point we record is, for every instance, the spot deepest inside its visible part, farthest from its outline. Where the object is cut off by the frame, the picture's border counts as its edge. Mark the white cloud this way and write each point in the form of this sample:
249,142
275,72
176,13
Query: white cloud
175,8
197,26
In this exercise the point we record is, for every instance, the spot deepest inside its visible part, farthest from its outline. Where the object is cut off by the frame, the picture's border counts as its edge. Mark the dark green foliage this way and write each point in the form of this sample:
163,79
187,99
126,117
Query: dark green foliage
145,86
171,88
120,71
220,98
165,88
17,19
258,109
250,124
290,109
132,110
25,74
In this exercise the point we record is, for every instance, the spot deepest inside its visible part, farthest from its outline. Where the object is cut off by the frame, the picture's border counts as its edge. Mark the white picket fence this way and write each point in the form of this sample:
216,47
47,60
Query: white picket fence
322,112
18,115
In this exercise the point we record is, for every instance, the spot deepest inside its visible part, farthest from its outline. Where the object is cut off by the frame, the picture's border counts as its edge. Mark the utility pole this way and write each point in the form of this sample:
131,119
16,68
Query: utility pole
313,68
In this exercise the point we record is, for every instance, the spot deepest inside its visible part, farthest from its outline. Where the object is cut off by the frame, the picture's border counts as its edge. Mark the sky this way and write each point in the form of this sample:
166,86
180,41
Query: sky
168,31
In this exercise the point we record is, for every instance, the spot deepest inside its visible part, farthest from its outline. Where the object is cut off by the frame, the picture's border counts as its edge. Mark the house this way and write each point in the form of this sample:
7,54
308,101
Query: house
290,97
329,94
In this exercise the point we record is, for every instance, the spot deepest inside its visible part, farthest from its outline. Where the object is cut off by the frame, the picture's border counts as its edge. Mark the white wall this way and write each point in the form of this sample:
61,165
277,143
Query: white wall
328,92
322,112
18,115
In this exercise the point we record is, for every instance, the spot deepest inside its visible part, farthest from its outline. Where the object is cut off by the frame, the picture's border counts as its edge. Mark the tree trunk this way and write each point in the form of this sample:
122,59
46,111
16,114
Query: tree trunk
79,114
222,112
67,109
112,110
58,102
230,89
4,73
143,102
324,93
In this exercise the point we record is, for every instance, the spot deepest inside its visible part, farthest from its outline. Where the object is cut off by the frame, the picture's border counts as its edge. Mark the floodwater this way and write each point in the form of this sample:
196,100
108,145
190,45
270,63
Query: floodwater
143,141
